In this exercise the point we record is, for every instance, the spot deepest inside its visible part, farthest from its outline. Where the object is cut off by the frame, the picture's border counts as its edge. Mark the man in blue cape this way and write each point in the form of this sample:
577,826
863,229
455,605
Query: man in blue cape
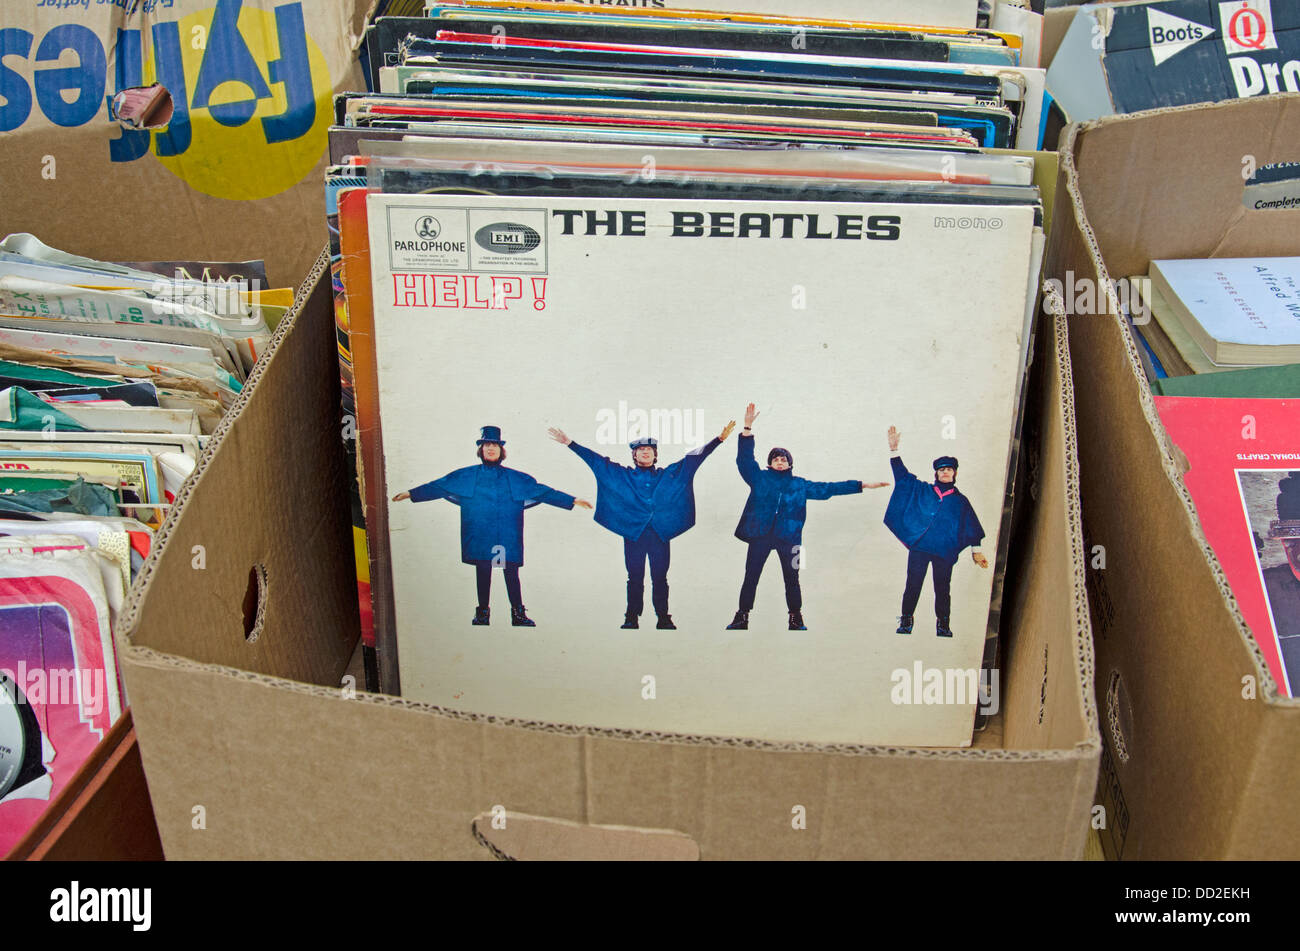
648,507
773,520
492,499
936,522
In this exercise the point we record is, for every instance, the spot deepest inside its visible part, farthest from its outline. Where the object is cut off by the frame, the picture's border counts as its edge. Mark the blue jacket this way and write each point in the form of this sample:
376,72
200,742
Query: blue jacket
930,517
492,499
776,503
630,499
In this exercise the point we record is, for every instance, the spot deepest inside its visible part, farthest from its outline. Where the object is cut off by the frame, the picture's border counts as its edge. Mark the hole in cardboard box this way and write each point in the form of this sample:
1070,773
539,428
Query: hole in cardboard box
255,603
143,107
1119,719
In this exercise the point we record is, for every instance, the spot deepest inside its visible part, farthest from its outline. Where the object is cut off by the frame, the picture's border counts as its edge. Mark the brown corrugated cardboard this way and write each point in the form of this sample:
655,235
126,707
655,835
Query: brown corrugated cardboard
1196,763
253,84
264,749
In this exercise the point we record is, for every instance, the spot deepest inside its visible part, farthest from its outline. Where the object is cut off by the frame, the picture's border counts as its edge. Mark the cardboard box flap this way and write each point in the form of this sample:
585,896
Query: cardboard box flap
1041,661
1141,217
301,757
264,553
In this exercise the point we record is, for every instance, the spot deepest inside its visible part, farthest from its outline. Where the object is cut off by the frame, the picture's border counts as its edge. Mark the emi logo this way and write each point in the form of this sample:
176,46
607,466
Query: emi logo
428,227
968,223
507,238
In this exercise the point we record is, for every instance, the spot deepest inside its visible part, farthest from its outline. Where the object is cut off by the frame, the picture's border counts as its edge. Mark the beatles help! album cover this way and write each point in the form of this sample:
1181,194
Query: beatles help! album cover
729,468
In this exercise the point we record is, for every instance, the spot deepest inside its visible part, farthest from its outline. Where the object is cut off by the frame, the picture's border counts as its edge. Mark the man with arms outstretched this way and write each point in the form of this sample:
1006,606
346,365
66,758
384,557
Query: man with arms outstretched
648,507
773,520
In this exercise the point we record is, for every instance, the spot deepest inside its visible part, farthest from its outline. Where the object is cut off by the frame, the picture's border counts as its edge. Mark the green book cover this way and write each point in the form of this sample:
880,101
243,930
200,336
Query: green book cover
1274,382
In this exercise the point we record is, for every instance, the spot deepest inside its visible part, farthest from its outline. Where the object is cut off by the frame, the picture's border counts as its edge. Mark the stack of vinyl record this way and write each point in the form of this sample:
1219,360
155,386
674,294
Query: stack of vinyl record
591,235
112,375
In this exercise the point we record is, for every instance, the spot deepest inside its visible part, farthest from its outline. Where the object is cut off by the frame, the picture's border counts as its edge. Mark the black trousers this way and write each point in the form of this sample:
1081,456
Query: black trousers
759,549
917,563
484,569
649,547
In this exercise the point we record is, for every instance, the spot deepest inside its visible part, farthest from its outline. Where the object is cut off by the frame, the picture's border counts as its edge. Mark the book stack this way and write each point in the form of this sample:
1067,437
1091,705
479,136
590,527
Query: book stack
1220,340
1220,327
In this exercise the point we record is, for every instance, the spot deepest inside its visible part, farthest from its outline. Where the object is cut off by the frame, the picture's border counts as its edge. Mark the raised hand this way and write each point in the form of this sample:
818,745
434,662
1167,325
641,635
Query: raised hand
401,495
726,431
893,439
558,436
980,559
751,414
581,503
874,485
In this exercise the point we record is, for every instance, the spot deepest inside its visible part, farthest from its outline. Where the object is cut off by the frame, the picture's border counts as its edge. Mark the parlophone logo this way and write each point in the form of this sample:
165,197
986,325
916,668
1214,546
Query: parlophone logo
428,227
507,238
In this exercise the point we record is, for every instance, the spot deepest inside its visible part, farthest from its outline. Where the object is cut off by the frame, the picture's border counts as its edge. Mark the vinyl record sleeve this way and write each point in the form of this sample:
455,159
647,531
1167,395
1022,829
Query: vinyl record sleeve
388,33
59,688
1244,476
823,70
944,17
664,321
560,182
864,163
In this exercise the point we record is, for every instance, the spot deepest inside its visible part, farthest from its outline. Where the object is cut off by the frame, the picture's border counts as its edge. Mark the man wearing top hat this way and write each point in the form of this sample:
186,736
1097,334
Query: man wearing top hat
648,507
773,520
492,499
936,522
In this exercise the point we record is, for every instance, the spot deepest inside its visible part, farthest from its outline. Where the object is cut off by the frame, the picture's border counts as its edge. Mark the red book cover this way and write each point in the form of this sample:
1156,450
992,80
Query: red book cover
1244,476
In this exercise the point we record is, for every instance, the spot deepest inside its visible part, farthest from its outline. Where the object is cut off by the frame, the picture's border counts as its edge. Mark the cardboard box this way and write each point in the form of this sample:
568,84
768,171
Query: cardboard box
1126,57
1200,748
257,746
237,174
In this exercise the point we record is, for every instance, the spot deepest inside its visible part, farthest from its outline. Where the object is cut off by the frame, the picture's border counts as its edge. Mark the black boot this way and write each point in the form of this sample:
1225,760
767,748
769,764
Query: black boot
740,622
519,619
630,622
666,623
941,628
482,616
796,621
904,624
